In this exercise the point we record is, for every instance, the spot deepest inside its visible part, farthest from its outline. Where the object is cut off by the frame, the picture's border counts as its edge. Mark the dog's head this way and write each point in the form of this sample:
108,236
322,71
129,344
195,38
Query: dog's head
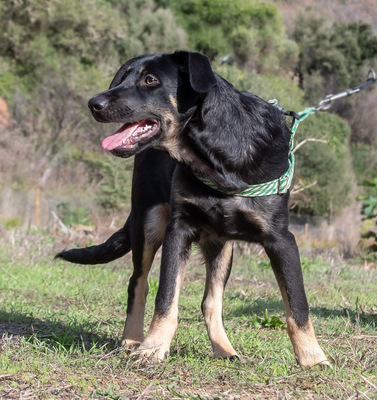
152,96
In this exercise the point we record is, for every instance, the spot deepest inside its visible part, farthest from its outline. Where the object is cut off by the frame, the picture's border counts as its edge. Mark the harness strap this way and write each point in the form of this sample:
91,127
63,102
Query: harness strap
277,186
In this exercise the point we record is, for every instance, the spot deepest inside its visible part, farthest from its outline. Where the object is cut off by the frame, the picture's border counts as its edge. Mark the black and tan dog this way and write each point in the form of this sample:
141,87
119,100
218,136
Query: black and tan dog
176,103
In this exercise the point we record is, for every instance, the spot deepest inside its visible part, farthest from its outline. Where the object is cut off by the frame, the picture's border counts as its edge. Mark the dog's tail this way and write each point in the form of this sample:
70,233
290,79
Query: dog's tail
117,245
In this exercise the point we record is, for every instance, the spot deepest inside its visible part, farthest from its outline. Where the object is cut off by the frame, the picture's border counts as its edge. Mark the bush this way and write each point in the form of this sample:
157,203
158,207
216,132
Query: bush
369,212
113,176
328,165
250,32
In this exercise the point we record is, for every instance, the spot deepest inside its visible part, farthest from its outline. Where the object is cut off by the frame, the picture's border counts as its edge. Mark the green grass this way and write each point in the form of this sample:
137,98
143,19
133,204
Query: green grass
60,326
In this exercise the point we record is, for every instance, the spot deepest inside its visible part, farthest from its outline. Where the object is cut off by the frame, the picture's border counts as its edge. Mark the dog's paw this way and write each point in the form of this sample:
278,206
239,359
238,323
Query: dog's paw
223,355
314,360
130,344
149,352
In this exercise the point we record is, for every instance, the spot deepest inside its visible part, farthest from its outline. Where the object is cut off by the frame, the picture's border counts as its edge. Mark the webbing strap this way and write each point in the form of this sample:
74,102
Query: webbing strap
277,186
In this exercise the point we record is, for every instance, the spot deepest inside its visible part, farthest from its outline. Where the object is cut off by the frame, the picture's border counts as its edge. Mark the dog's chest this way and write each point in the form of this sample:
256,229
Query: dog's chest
230,218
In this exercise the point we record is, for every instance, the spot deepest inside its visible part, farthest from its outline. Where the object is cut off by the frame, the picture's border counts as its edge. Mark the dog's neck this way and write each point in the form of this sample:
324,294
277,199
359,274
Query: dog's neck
237,144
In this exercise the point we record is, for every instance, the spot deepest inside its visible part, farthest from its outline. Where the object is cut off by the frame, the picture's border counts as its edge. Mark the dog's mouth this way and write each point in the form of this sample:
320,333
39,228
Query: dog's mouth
128,136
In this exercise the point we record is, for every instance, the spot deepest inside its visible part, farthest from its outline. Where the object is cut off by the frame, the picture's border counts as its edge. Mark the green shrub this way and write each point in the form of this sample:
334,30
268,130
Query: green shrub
250,32
12,223
369,212
114,177
71,215
326,164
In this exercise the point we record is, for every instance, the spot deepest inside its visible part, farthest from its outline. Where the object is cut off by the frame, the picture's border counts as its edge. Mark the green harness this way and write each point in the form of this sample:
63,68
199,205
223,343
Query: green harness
277,186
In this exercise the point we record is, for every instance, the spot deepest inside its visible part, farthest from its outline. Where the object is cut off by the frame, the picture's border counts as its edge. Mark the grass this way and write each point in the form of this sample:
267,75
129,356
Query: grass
60,325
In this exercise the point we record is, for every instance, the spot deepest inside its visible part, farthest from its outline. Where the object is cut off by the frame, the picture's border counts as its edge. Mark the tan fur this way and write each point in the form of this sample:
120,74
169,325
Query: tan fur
157,219
133,332
171,141
305,345
162,329
212,305
173,101
155,224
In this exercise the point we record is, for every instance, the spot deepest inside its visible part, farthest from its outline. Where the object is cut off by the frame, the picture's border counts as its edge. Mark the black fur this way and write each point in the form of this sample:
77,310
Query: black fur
210,129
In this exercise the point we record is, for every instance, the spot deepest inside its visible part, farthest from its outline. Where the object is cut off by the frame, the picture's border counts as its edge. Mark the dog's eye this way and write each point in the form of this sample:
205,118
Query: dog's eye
150,80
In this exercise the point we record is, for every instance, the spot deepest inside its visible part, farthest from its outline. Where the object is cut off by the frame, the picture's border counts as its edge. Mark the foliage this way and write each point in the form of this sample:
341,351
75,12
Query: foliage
114,177
250,32
12,223
336,55
268,321
71,215
328,165
364,159
336,50
369,212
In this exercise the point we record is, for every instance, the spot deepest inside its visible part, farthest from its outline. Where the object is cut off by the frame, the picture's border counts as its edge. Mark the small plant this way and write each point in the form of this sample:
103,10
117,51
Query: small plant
73,215
369,211
268,321
12,223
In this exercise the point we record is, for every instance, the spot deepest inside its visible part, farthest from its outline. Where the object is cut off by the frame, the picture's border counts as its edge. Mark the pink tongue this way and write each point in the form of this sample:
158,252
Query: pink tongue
120,136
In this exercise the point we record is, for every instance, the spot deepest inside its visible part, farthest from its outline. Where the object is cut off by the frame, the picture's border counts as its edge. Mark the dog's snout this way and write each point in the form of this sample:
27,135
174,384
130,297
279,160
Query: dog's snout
98,103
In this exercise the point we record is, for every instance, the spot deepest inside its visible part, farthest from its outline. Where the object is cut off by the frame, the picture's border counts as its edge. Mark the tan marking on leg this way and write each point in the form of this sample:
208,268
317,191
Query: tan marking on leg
212,304
305,345
133,332
155,225
157,342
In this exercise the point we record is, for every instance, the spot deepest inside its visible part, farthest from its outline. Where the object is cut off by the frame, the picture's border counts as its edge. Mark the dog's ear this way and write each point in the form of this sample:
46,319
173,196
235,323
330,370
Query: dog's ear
202,78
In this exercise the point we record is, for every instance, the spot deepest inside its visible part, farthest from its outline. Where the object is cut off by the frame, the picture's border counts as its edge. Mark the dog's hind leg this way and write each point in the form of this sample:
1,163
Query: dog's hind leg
147,237
283,253
218,257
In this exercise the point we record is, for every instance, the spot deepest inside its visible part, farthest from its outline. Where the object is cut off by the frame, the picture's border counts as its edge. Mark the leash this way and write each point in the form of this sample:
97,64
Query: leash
282,184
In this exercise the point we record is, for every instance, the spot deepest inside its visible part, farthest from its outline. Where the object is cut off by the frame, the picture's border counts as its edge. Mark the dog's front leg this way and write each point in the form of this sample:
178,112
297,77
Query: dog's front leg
283,253
175,253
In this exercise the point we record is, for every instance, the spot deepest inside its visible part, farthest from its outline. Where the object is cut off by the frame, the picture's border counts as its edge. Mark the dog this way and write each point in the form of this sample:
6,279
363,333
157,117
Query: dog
188,126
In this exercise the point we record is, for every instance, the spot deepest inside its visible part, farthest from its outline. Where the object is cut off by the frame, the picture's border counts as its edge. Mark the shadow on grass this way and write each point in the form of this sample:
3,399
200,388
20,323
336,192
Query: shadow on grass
55,335
358,318
258,307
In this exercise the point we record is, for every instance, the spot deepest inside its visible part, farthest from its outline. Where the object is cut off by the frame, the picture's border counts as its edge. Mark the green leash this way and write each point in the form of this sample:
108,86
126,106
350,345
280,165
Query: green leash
282,184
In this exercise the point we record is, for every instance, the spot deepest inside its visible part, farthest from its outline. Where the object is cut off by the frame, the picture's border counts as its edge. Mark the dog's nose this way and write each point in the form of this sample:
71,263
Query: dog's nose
98,103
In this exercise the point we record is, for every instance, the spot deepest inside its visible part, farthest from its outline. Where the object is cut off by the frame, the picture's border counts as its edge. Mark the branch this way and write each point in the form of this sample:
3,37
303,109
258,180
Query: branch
309,140
300,187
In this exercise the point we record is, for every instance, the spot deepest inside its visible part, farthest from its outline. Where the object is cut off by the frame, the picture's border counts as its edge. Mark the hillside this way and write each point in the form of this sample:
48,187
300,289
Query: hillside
54,57
349,10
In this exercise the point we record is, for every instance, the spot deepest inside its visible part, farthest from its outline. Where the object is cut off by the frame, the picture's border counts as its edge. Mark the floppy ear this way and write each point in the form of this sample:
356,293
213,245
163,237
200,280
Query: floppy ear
202,78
